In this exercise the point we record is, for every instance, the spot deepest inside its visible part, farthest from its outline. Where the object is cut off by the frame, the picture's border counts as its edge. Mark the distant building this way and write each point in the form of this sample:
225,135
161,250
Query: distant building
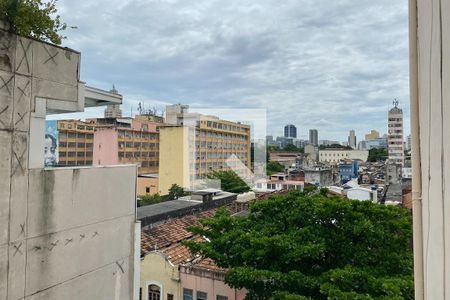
313,137
75,142
312,151
408,143
332,155
395,135
127,141
319,176
378,143
283,141
270,141
290,131
372,135
113,111
352,139
287,159
331,142
348,170
393,173
278,182
362,145
195,145
300,143
362,194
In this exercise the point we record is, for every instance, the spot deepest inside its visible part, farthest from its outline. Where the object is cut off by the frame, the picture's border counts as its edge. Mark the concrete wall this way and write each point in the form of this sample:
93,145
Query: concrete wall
431,124
173,158
64,233
106,147
156,269
146,182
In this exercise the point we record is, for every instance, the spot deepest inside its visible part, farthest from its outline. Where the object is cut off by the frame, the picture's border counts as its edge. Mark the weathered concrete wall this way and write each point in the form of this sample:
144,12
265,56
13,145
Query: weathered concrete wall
433,117
64,233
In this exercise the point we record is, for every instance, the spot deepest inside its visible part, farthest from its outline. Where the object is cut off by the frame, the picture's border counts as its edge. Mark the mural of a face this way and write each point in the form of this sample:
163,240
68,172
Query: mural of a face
50,150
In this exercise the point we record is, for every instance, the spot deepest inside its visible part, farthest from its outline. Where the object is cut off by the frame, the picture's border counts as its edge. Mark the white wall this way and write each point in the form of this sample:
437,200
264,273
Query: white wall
433,71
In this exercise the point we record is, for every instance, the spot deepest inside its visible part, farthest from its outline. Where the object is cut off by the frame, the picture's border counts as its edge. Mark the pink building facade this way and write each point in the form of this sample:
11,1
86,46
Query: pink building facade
127,141
106,146
207,284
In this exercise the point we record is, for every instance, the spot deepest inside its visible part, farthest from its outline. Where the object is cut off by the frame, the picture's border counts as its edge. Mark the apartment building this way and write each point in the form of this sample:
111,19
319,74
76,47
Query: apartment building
75,143
396,145
373,134
127,141
335,155
194,145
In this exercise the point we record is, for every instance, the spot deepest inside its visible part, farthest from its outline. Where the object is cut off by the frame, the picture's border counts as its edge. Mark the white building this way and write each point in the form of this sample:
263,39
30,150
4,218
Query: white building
278,182
362,194
395,135
335,155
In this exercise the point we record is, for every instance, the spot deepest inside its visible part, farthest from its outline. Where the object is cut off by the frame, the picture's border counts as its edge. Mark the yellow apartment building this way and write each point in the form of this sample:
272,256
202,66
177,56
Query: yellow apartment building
197,145
75,143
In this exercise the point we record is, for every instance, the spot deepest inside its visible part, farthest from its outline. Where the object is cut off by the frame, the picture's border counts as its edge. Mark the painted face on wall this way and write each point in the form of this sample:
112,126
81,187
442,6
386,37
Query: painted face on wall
49,150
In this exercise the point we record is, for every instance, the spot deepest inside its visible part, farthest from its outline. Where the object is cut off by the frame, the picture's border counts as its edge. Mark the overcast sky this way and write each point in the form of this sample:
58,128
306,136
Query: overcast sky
330,65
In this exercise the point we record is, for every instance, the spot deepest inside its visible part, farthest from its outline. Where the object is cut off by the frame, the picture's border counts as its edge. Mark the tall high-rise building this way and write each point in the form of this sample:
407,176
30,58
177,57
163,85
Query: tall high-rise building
372,135
193,145
113,111
395,135
408,142
313,137
352,139
290,131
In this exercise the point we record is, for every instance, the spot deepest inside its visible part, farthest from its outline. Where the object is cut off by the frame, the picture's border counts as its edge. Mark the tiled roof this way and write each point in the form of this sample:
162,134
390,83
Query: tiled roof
168,236
173,232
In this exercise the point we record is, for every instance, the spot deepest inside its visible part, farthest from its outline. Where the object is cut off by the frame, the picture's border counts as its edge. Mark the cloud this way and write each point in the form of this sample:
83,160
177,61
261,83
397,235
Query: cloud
330,65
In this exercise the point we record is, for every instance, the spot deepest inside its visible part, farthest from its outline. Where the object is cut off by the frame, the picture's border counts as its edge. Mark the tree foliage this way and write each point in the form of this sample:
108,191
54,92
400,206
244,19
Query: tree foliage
274,167
148,199
377,154
176,192
230,181
33,18
292,148
306,246
334,146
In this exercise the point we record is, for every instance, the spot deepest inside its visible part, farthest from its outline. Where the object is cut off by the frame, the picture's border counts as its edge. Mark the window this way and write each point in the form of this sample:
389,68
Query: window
154,292
201,296
169,297
220,297
147,190
187,294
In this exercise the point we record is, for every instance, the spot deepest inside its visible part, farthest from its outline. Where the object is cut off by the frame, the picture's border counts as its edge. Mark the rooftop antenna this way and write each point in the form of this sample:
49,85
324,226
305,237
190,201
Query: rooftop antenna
395,102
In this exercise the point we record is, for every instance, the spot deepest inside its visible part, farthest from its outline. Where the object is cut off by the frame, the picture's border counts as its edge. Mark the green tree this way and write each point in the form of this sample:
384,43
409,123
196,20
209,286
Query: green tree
334,146
305,246
33,18
291,148
274,167
148,199
230,182
176,191
377,154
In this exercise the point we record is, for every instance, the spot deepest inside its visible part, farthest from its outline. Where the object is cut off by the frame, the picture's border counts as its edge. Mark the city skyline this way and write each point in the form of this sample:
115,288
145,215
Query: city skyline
330,66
